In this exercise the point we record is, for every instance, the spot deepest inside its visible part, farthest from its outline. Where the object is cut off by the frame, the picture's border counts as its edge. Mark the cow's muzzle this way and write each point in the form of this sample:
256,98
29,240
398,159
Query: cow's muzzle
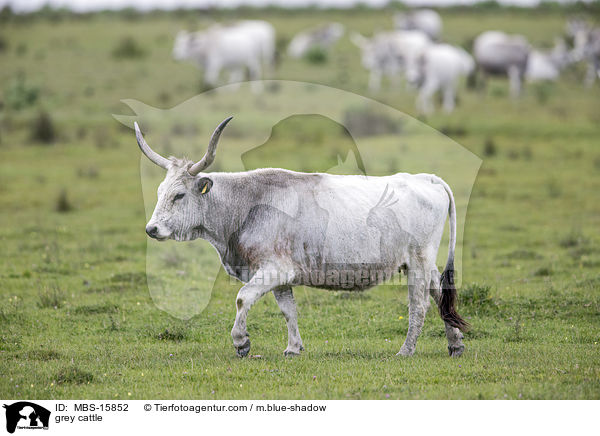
153,232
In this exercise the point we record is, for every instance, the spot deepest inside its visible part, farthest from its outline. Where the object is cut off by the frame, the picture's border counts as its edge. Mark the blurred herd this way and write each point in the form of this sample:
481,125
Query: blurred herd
414,51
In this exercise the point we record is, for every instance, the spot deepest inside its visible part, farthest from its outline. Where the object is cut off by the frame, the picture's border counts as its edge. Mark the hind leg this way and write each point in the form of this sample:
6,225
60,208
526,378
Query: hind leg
236,76
592,71
454,335
424,99
514,77
285,301
417,278
449,97
255,75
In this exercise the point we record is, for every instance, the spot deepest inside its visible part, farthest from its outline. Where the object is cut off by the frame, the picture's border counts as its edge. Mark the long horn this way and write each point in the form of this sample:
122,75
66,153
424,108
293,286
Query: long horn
209,157
150,154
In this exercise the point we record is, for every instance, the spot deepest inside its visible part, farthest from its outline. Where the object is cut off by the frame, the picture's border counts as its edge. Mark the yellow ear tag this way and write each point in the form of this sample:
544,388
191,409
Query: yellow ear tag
204,189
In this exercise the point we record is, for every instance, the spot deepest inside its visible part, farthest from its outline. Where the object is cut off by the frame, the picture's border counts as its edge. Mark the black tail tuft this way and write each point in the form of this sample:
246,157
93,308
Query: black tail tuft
448,304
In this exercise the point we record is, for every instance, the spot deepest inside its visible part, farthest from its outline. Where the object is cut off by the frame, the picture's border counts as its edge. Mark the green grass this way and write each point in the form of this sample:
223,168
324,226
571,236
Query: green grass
76,316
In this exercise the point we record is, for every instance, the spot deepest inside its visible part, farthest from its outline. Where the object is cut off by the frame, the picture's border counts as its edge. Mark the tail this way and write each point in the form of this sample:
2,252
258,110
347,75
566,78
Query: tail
448,301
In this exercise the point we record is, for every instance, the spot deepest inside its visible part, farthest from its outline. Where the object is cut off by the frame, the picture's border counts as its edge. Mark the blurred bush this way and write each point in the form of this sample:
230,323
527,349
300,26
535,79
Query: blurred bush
364,121
62,202
73,375
554,188
489,148
18,95
316,55
51,297
90,172
128,48
42,128
6,14
476,299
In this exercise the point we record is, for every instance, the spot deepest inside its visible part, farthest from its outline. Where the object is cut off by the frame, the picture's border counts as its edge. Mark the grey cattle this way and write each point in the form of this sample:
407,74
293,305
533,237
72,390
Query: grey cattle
274,229
244,45
440,68
587,47
323,37
426,20
390,53
497,53
547,65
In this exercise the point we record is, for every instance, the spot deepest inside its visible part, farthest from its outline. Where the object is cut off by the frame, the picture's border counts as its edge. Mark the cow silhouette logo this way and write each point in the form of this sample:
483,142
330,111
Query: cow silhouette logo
26,415
306,128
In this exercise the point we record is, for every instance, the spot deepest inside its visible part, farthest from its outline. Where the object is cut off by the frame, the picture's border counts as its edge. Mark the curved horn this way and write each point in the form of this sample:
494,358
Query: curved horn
150,154
211,152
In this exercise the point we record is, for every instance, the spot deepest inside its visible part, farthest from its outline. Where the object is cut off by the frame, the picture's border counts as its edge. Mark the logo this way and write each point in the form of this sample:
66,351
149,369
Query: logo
26,415
307,128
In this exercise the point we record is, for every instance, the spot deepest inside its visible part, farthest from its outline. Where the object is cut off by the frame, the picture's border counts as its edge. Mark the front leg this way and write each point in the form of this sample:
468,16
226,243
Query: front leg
285,301
265,280
590,76
235,77
211,74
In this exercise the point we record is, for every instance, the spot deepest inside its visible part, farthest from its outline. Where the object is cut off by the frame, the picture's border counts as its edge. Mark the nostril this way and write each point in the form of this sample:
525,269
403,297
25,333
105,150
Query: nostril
151,231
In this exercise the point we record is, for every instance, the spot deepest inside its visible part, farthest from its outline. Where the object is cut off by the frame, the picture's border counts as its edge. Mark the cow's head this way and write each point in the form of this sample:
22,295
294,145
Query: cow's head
180,48
190,46
578,30
183,195
368,48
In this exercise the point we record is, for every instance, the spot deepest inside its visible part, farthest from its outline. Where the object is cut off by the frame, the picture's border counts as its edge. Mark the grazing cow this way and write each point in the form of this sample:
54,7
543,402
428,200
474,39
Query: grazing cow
322,37
497,53
246,45
587,48
547,65
275,228
390,53
439,69
425,20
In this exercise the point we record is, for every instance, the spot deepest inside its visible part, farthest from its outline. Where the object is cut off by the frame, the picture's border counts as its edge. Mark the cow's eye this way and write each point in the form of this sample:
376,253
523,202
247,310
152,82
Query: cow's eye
178,197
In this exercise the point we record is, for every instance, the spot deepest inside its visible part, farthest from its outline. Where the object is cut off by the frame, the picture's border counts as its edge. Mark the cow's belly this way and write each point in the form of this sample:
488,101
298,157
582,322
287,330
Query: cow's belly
349,277
352,259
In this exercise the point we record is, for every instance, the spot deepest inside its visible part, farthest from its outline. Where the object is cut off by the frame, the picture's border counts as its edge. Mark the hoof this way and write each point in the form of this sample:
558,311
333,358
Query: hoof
244,349
455,351
405,352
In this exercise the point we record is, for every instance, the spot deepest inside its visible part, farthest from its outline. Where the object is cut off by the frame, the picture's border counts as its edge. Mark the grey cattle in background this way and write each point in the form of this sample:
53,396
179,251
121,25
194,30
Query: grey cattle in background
274,229
587,47
497,53
440,68
323,37
426,20
390,53
547,65
244,45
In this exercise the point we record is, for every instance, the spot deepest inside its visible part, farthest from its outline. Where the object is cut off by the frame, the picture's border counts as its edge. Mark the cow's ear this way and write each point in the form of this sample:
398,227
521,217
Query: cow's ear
204,185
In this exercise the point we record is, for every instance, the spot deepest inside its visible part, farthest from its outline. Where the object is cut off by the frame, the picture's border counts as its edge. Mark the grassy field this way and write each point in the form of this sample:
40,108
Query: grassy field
76,316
